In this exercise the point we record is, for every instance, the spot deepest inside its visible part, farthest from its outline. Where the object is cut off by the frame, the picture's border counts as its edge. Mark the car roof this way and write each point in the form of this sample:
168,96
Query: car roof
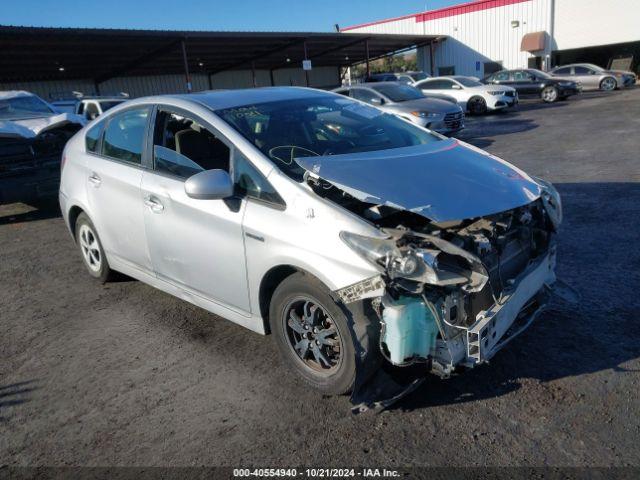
221,99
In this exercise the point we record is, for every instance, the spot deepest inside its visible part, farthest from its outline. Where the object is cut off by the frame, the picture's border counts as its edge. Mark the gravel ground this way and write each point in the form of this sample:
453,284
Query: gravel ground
123,374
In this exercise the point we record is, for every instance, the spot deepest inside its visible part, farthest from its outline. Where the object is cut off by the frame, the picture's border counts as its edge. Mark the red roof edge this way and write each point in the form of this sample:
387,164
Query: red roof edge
462,8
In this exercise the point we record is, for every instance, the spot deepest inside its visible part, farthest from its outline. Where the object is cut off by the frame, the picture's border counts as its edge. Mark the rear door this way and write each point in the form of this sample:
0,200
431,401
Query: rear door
114,174
194,244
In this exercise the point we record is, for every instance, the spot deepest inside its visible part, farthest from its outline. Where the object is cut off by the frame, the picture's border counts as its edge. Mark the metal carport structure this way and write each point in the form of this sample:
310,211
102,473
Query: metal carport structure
30,54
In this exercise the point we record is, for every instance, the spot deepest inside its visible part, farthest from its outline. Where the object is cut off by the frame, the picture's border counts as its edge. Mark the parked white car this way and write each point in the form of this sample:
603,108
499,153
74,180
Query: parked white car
471,95
88,107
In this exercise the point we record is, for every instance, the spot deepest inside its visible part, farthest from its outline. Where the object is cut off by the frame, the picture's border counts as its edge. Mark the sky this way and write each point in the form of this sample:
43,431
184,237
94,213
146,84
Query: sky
266,15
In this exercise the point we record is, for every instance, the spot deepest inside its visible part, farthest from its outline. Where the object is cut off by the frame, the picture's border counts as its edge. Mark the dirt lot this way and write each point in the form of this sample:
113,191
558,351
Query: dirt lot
123,374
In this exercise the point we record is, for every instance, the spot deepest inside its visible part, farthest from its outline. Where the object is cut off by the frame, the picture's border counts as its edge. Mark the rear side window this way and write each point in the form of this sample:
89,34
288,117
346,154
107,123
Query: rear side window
124,135
92,138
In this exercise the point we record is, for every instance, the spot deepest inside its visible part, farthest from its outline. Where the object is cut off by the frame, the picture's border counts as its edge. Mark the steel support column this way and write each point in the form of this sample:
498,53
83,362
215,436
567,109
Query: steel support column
186,65
366,50
306,57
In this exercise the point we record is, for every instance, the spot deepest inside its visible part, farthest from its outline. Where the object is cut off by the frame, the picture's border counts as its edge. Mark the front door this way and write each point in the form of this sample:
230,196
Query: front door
194,244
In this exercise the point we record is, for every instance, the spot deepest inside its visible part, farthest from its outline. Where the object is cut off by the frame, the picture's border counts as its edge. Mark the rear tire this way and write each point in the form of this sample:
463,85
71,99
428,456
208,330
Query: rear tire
477,106
91,249
302,315
549,94
608,84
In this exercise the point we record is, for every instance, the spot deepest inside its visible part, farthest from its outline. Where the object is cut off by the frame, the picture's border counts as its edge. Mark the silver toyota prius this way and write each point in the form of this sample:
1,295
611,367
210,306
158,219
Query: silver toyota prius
361,241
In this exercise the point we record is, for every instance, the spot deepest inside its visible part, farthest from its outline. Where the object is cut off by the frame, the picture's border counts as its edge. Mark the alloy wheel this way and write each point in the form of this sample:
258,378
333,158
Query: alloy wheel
608,84
90,248
549,94
313,335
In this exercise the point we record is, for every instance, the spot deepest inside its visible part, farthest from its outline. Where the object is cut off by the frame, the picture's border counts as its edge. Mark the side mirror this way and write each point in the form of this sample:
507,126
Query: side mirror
456,87
376,101
209,185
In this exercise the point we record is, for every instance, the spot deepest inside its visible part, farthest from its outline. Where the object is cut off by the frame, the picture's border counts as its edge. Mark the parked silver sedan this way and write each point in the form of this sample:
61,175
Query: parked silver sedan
438,114
353,236
593,77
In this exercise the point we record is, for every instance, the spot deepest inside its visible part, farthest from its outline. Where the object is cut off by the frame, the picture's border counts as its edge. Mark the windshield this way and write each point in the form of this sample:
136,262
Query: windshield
398,92
106,105
23,106
320,126
468,82
418,76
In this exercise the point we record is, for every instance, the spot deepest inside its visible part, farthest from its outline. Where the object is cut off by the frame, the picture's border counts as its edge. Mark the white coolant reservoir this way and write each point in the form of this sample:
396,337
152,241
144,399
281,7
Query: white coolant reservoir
410,329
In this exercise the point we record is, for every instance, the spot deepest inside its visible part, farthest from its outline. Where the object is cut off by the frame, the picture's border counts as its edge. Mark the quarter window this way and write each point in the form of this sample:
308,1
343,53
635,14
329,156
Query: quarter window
124,135
183,147
250,183
92,138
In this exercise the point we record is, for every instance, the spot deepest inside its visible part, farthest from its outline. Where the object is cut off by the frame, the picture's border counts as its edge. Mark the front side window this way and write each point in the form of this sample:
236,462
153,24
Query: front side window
249,182
320,126
521,76
582,71
398,92
365,95
437,85
125,134
500,77
183,147
563,71
468,82
91,111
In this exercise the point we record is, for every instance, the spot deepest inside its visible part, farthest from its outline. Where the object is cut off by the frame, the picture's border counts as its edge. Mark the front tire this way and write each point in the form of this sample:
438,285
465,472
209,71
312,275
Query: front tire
91,249
549,94
477,106
608,84
313,335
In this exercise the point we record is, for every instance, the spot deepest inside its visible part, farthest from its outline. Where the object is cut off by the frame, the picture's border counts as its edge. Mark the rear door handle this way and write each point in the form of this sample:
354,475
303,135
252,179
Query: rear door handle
154,204
95,180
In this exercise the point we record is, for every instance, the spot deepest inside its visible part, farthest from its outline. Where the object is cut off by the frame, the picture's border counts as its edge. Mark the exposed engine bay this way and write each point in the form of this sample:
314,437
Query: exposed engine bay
451,293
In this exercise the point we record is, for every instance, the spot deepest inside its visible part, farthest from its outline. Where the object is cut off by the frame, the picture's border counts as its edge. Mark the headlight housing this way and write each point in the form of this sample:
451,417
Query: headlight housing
552,202
566,84
497,93
425,114
435,265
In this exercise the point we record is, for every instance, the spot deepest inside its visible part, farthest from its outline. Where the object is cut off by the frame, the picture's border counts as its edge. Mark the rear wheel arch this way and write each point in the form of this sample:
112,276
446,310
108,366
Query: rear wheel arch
74,213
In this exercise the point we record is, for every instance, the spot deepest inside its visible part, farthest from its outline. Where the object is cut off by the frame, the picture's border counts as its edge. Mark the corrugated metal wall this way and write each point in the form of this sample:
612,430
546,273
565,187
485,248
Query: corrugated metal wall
586,23
483,35
319,77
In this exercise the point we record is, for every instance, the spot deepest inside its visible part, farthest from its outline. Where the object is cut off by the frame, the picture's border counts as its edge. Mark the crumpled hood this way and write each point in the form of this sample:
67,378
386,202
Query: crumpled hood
431,105
32,127
443,181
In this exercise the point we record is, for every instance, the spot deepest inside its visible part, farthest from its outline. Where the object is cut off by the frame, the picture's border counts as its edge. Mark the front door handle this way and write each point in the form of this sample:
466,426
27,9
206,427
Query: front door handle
154,204
95,180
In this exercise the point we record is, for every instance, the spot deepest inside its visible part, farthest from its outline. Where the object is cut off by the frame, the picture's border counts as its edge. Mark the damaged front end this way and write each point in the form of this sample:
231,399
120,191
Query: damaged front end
451,293
452,297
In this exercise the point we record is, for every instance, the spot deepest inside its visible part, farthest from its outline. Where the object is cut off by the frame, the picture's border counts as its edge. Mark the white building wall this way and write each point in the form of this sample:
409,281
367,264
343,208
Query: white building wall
587,23
475,36
487,36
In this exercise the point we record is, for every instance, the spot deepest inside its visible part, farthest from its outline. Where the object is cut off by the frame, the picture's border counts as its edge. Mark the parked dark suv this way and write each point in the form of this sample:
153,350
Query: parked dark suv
532,82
